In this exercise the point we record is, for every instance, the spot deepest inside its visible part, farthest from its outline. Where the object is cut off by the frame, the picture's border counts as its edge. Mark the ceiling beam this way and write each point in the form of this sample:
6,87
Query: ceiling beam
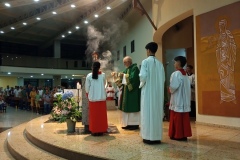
143,11
126,11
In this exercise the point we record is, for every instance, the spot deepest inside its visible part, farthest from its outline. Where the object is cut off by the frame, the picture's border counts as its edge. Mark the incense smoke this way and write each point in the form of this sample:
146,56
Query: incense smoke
104,41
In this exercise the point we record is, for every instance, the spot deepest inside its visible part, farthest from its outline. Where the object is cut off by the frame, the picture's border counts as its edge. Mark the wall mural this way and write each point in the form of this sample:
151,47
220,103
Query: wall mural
226,58
218,61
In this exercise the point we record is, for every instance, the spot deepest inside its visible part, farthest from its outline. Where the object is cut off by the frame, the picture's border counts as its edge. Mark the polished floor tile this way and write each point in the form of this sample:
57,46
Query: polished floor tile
14,117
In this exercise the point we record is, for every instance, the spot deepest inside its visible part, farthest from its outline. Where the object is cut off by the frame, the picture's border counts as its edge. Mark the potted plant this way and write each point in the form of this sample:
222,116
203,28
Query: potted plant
66,109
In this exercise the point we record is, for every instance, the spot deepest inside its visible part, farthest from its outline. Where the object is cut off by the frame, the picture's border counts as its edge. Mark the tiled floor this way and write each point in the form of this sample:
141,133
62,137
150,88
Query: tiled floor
14,117
207,142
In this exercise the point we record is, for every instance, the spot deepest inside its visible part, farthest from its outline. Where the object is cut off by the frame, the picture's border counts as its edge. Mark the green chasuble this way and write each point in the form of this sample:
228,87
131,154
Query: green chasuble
130,98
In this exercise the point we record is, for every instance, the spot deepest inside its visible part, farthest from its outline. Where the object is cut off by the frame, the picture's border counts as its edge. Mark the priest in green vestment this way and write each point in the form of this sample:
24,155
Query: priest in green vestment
128,82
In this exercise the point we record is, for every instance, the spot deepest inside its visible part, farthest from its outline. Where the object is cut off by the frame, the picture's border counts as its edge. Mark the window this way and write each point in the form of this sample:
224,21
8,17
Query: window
84,64
124,51
118,55
75,64
67,64
132,46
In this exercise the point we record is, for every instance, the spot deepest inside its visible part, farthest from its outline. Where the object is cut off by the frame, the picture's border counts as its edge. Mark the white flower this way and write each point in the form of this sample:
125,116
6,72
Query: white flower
56,94
64,112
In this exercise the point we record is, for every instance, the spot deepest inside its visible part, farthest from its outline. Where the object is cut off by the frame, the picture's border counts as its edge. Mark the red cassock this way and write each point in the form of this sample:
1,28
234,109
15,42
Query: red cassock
98,117
110,93
110,98
179,126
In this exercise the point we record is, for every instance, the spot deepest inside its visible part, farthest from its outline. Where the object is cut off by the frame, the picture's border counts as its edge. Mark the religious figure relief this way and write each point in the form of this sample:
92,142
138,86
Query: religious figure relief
226,58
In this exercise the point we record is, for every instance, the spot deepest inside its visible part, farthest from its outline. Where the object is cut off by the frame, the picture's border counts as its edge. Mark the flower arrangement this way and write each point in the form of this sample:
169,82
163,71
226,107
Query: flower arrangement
65,108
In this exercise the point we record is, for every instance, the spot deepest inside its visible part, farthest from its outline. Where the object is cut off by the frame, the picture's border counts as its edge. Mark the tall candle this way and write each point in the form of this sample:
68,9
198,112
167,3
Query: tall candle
78,85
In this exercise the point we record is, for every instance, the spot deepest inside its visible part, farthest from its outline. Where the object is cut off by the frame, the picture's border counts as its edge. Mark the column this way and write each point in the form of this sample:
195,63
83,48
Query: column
56,80
41,82
20,81
57,49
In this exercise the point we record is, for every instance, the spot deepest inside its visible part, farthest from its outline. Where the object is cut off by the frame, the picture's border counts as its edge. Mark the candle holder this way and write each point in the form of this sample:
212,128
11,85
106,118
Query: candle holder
78,97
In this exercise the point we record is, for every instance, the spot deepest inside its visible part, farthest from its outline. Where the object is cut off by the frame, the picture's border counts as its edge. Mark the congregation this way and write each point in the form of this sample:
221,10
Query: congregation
31,98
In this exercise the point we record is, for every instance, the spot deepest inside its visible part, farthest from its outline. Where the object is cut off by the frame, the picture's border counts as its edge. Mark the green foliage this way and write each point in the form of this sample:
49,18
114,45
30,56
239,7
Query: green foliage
65,108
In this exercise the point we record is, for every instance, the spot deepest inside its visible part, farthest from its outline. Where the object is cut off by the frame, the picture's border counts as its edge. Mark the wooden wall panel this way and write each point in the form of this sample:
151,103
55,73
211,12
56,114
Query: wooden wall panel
218,61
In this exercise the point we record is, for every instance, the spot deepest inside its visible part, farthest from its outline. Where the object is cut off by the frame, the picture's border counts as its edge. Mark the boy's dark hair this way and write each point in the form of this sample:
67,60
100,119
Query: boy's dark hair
152,46
95,69
181,59
190,66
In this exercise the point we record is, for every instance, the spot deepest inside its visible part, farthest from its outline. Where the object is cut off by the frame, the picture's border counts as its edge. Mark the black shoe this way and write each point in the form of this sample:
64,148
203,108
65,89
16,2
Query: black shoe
184,139
156,142
127,127
179,139
151,142
133,127
146,141
100,134
86,132
94,134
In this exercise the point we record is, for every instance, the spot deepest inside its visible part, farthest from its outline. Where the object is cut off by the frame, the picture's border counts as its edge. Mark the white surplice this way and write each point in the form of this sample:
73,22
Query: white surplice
152,78
95,87
180,90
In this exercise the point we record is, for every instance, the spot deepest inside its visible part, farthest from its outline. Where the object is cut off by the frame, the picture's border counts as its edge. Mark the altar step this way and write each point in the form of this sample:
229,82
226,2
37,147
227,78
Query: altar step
4,153
62,150
22,143
21,148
